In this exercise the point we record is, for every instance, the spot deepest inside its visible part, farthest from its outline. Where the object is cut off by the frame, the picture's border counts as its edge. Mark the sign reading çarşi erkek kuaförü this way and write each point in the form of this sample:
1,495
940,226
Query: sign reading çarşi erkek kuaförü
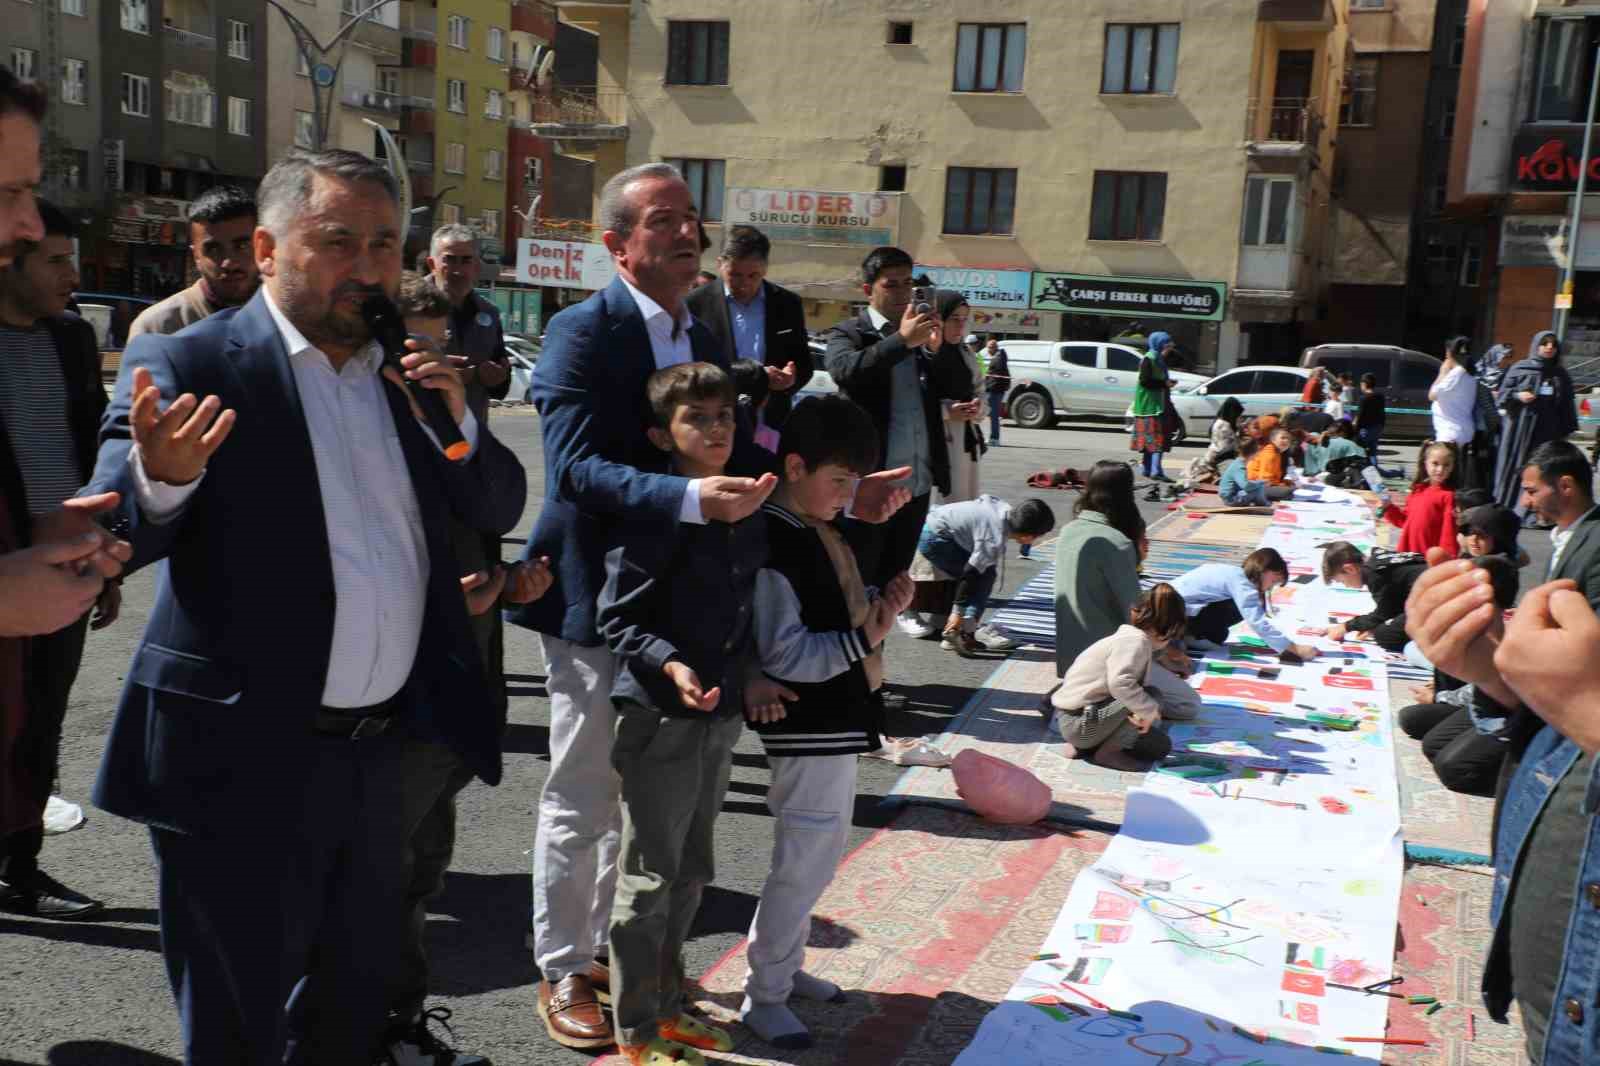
816,216
981,286
1090,294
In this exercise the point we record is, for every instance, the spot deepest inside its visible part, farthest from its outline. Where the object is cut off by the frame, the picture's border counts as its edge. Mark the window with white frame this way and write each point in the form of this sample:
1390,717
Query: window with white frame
305,129
24,63
389,80
1268,212
456,95
238,39
450,214
489,224
136,16
190,101
135,95
74,82
455,158
239,116
496,45
457,26
72,7
494,104
494,164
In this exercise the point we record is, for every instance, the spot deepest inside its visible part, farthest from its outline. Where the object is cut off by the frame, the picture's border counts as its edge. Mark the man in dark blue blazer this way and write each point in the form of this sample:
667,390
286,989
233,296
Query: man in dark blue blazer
308,618
601,471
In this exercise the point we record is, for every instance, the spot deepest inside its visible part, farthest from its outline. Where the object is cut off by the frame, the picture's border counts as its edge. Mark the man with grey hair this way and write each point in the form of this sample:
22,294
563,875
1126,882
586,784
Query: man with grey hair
477,346
601,471
309,621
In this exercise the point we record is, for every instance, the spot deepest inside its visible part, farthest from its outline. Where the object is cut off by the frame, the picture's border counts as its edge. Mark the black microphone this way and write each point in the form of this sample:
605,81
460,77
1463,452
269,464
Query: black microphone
389,330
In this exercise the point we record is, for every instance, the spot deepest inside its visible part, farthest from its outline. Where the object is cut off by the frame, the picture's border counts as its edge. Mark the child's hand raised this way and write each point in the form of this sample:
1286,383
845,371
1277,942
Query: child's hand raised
527,581
899,592
764,701
689,690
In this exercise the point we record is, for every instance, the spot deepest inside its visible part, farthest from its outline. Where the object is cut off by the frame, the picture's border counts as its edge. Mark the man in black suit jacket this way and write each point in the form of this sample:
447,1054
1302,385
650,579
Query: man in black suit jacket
882,359
308,621
752,318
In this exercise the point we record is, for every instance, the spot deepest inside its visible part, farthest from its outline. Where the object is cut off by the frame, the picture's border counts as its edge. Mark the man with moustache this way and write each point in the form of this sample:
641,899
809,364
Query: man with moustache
308,623
222,221
601,471
477,347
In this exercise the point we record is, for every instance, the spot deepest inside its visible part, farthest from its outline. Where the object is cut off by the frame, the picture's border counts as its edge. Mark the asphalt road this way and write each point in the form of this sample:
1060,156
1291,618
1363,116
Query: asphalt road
95,994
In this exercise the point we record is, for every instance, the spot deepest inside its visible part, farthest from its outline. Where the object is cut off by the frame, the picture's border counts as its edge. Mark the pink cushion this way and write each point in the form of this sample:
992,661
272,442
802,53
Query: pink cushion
998,791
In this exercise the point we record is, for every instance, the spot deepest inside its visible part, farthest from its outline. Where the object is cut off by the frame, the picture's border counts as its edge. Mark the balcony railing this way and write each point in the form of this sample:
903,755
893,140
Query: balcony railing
190,37
586,113
374,100
1285,120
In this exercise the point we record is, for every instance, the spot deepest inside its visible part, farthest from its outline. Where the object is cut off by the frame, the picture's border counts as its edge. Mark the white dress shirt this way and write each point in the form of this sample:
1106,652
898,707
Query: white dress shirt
375,535
669,345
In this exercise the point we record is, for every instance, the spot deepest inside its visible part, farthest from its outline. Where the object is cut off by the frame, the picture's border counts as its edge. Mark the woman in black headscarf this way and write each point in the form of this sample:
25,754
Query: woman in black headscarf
955,375
1537,398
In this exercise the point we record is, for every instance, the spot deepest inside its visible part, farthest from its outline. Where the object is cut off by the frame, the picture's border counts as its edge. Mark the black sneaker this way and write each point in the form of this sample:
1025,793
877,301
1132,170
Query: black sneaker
413,1044
39,895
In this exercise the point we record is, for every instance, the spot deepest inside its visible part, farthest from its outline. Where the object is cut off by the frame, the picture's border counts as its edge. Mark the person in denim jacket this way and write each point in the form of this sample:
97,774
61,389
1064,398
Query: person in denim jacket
1536,681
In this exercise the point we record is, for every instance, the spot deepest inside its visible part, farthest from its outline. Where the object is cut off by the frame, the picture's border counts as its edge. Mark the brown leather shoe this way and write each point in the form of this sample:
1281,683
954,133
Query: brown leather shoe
600,979
572,1015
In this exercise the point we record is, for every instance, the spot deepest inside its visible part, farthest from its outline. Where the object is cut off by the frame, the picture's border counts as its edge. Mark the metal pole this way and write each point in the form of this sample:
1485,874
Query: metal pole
1576,222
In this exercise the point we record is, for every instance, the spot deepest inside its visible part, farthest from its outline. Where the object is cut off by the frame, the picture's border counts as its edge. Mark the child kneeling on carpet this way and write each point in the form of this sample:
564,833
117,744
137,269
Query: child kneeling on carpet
963,545
818,640
676,612
1112,698
1217,595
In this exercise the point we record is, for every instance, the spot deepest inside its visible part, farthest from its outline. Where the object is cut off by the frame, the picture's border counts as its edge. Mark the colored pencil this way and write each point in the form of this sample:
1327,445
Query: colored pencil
1044,956
1091,1000
1400,1041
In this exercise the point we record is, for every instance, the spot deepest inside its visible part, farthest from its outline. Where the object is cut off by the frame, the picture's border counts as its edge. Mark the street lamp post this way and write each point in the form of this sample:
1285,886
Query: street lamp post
316,55
1574,225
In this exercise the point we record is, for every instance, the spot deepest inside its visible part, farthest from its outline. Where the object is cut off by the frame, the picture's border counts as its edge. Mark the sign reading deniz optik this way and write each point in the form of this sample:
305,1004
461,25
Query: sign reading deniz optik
1548,160
1156,298
816,216
564,264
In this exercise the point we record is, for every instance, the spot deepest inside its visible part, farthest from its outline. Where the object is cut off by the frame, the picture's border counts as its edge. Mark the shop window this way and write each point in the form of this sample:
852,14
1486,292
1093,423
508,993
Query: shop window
1127,206
989,57
1140,58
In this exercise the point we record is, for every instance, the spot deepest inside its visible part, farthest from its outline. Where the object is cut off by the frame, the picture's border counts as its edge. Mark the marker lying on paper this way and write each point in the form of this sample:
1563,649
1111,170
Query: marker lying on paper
1045,955
1395,1040
1128,1014
1371,991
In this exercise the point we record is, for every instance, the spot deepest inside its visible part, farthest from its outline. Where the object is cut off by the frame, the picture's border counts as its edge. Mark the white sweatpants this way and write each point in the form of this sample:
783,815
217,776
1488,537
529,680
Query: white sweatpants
580,813
812,800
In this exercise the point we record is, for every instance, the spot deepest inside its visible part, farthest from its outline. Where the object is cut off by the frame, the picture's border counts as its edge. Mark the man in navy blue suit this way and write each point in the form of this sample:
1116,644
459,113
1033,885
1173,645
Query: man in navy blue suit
601,471
308,620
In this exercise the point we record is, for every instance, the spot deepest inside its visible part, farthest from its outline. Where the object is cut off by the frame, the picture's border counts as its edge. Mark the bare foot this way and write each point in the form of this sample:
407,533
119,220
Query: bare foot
1117,759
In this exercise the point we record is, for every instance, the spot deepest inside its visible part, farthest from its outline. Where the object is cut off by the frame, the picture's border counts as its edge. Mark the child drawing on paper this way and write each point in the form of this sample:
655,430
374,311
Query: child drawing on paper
1216,595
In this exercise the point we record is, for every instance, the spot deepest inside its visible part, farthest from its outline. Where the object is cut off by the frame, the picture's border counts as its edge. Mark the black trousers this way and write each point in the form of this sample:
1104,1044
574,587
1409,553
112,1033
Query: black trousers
1213,621
885,549
1465,760
52,669
282,949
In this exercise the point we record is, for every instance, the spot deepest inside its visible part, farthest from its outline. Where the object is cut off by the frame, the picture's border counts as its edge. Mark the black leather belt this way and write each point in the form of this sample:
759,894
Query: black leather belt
354,723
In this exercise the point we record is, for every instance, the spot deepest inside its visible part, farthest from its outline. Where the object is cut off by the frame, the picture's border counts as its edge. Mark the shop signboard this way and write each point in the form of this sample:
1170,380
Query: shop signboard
1541,241
564,264
982,287
1155,298
1547,159
814,216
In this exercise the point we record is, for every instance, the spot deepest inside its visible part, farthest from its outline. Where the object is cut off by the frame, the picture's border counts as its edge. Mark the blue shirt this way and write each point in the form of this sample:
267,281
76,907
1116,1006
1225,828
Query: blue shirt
749,322
1235,486
1212,582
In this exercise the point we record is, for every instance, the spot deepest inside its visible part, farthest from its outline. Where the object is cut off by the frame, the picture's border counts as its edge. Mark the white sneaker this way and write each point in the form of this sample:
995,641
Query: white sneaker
415,1044
994,640
914,625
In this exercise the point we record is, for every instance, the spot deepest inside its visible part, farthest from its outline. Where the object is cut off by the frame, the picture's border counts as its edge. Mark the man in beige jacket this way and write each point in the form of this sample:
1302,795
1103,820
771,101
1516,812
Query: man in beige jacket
222,221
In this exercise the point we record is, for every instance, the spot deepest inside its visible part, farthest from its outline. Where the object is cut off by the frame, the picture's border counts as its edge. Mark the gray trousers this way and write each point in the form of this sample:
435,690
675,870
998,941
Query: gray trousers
674,774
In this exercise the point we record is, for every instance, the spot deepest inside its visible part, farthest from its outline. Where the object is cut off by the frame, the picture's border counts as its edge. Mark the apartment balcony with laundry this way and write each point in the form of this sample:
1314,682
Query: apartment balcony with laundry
580,114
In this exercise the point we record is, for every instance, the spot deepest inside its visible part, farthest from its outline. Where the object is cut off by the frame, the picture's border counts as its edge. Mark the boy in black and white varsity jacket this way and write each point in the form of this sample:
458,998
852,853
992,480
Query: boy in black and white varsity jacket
817,636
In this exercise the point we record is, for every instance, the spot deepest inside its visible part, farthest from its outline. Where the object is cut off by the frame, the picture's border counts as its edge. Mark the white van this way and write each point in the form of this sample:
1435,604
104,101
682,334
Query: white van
1051,378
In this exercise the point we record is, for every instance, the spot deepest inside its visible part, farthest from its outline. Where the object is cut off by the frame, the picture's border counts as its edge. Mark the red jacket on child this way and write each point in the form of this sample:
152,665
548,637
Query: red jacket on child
1426,520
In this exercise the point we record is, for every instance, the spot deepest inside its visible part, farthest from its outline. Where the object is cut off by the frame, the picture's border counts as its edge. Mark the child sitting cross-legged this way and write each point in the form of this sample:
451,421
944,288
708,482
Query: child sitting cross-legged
818,638
1236,488
676,611
1110,705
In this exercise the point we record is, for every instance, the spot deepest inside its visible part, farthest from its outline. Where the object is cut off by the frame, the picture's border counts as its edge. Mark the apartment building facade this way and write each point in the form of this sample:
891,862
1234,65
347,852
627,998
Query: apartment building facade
59,45
471,84
1525,81
1073,166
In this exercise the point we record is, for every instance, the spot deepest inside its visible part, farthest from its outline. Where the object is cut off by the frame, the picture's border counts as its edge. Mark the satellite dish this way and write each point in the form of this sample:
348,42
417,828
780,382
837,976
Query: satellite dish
542,76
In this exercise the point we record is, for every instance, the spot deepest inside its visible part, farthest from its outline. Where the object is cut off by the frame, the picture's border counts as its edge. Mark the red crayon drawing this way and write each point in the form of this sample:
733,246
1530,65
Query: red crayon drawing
1347,681
1239,688
1304,984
